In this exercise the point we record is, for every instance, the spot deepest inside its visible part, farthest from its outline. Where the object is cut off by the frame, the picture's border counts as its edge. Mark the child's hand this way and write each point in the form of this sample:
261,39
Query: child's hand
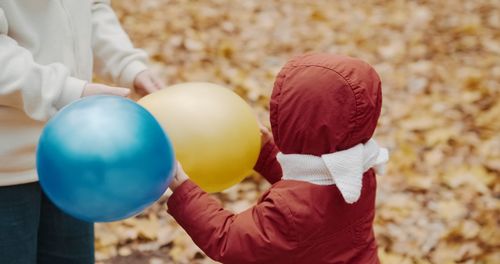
180,177
101,89
265,135
146,82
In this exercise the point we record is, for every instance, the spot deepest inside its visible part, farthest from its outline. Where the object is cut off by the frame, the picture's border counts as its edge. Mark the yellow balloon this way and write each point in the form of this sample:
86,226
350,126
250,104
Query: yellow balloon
215,134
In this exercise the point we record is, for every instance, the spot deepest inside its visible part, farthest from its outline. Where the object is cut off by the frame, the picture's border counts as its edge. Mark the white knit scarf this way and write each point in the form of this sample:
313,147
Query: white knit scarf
344,168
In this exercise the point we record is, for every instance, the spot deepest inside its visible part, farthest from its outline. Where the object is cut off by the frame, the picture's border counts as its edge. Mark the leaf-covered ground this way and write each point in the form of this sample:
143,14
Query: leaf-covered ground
440,66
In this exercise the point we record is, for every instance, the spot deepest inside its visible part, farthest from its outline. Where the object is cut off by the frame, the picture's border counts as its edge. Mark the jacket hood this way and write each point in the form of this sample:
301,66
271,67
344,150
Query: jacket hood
323,103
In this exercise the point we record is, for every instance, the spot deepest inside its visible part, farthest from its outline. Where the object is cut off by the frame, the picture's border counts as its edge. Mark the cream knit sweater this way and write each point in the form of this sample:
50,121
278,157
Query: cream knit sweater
47,50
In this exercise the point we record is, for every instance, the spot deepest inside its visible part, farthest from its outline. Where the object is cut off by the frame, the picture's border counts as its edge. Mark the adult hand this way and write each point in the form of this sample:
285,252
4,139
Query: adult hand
146,82
180,177
102,89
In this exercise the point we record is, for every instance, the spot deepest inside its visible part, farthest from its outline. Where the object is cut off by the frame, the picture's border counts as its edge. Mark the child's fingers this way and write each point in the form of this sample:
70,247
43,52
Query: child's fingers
176,169
180,173
179,177
265,135
263,129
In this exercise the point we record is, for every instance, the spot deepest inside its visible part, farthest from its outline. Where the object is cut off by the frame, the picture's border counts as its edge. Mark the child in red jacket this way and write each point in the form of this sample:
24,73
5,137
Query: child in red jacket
320,208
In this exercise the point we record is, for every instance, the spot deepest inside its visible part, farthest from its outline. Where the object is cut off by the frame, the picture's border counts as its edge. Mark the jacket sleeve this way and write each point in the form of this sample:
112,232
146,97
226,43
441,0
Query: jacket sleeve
115,57
267,164
257,235
38,90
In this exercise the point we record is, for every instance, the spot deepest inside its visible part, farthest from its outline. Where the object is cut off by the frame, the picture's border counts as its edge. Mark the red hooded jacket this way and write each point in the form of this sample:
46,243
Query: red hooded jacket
320,104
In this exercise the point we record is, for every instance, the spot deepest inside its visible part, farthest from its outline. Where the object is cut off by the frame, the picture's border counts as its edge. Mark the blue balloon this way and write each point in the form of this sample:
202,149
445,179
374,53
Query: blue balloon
104,158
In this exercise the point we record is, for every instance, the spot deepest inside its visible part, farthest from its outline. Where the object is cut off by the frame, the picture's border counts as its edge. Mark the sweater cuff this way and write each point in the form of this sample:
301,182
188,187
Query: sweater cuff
72,90
180,194
128,75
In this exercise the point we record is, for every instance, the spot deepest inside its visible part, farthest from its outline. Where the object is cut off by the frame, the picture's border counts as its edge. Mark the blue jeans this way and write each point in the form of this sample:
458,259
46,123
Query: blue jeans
33,230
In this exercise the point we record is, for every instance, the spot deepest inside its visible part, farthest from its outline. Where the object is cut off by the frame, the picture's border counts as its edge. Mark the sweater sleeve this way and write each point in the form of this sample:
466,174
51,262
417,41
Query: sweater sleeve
39,90
115,57
267,164
257,235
